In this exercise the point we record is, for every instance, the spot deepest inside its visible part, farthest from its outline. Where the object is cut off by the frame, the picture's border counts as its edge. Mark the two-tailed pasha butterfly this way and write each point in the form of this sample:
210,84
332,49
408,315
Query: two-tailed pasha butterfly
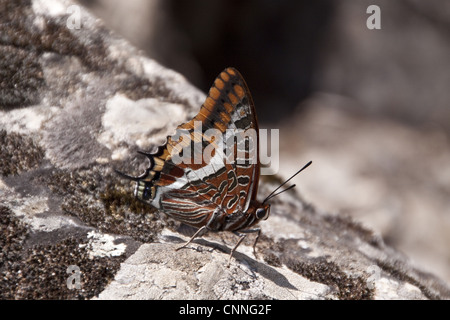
217,193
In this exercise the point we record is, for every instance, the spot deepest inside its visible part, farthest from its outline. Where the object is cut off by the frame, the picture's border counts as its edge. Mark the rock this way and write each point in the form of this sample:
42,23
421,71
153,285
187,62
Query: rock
394,71
77,103
390,177
157,271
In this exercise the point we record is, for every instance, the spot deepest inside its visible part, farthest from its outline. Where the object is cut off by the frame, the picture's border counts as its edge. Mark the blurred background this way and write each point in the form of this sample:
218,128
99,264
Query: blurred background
370,108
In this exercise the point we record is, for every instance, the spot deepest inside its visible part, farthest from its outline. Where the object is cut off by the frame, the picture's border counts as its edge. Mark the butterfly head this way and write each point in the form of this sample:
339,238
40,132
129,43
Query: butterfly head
262,212
257,211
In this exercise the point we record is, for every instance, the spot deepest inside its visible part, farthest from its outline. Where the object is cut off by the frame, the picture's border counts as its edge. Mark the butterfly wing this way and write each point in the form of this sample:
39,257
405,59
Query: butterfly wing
243,162
226,178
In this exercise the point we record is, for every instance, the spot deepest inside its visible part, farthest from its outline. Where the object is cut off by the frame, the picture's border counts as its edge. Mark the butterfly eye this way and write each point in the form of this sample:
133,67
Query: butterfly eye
262,214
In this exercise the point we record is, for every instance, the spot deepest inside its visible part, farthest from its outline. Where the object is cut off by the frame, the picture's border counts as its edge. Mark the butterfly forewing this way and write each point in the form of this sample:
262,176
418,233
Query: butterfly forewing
224,176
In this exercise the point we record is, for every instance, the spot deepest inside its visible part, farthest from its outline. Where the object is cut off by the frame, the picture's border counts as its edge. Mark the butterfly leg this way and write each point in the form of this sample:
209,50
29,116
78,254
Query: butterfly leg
241,238
200,231
258,233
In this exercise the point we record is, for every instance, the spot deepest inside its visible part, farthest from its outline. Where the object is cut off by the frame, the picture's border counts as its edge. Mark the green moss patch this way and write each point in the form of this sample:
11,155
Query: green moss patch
329,273
99,199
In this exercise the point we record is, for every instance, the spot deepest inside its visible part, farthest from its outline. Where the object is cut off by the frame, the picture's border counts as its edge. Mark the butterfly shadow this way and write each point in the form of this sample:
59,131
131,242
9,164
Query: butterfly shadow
249,263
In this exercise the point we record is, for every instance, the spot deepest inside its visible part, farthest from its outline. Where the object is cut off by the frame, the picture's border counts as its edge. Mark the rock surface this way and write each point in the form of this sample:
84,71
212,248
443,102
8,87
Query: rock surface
76,102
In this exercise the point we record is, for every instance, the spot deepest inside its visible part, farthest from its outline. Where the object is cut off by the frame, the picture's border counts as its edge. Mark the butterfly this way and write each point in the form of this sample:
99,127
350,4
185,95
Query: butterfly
214,190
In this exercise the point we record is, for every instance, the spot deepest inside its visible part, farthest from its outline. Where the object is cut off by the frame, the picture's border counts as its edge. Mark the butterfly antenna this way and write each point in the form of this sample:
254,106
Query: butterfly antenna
276,194
272,194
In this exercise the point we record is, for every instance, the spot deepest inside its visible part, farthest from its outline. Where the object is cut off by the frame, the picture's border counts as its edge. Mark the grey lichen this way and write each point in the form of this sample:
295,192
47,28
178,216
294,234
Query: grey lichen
18,153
